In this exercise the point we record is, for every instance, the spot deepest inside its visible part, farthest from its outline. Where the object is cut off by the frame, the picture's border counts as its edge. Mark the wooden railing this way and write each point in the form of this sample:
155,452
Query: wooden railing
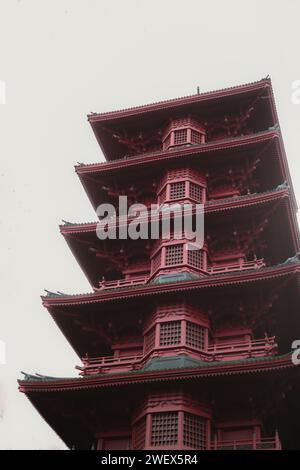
97,364
256,347
265,443
123,282
255,264
139,280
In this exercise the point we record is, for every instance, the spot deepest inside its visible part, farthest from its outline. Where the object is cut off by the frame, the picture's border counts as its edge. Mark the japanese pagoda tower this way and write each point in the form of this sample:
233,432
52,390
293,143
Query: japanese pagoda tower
184,349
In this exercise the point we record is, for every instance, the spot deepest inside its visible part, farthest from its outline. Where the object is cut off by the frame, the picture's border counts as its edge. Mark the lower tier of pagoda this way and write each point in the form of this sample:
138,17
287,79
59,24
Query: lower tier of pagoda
176,405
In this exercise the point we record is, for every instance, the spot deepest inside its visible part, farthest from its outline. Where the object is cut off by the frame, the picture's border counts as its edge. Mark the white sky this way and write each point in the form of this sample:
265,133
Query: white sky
60,60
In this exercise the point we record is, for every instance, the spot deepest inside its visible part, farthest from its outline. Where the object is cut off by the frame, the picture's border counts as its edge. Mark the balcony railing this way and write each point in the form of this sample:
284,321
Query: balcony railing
97,365
265,443
139,280
241,266
251,348
123,282
219,352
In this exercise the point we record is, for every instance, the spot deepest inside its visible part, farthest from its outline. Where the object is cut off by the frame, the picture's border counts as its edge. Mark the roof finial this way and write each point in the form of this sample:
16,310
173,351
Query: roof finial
198,90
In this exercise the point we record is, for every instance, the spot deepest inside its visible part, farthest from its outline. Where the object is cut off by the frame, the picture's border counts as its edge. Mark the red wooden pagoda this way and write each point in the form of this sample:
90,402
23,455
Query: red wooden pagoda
184,349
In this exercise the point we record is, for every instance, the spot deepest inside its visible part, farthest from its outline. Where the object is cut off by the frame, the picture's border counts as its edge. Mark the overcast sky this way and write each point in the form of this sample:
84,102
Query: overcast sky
61,59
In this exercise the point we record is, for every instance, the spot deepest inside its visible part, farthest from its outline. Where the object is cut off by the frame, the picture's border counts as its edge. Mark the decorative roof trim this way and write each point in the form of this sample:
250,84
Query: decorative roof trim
174,153
210,207
175,102
39,384
291,266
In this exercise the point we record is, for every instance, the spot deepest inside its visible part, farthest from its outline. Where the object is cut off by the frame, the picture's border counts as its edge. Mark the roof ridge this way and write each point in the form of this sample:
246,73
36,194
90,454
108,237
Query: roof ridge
174,100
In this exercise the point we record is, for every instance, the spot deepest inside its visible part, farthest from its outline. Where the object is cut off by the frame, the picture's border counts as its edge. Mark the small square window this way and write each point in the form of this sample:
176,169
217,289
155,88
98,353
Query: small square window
195,335
164,429
195,192
180,136
170,333
174,255
177,190
195,137
194,431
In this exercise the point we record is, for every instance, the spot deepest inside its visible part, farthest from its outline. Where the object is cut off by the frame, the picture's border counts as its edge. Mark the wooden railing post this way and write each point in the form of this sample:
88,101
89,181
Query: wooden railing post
277,441
254,441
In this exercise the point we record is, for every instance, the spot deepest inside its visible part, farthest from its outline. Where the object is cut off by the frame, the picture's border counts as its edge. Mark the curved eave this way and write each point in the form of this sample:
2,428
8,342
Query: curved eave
77,235
110,380
183,286
182,101
236,143
162,155
209,208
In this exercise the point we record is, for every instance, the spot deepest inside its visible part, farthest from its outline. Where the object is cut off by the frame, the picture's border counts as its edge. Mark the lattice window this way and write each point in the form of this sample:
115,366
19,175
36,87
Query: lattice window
149,340
164,429
177,190
156,261
139,434
195,258
174,254
195,335
180,136
170,333
196,192
195,137
194,432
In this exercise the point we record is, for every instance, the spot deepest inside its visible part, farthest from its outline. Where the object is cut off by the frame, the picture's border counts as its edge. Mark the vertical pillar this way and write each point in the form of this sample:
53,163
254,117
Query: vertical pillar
180,430
148,431
168,192
157,336
277,441
208,435
206,339
172,139
163,257
183,333
204,258
185,254
187,189
189,136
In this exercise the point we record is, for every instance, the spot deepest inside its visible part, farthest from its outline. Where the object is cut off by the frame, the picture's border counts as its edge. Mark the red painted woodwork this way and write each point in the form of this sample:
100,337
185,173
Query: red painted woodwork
172,340
184,185
172,421
247,444
183,131
200,339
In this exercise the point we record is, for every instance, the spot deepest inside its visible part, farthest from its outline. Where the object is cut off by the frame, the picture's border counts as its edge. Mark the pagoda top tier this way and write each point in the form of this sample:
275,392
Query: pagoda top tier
186,121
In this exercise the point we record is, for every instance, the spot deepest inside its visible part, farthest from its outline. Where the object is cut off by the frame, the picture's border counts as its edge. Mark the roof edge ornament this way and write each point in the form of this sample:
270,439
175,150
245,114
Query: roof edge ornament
293,259
65,222
283,185
49,293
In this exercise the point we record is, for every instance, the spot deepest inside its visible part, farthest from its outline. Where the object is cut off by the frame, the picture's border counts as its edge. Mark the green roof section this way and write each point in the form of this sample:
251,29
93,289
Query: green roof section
181,277
185,362
161,364
176,277
175,362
